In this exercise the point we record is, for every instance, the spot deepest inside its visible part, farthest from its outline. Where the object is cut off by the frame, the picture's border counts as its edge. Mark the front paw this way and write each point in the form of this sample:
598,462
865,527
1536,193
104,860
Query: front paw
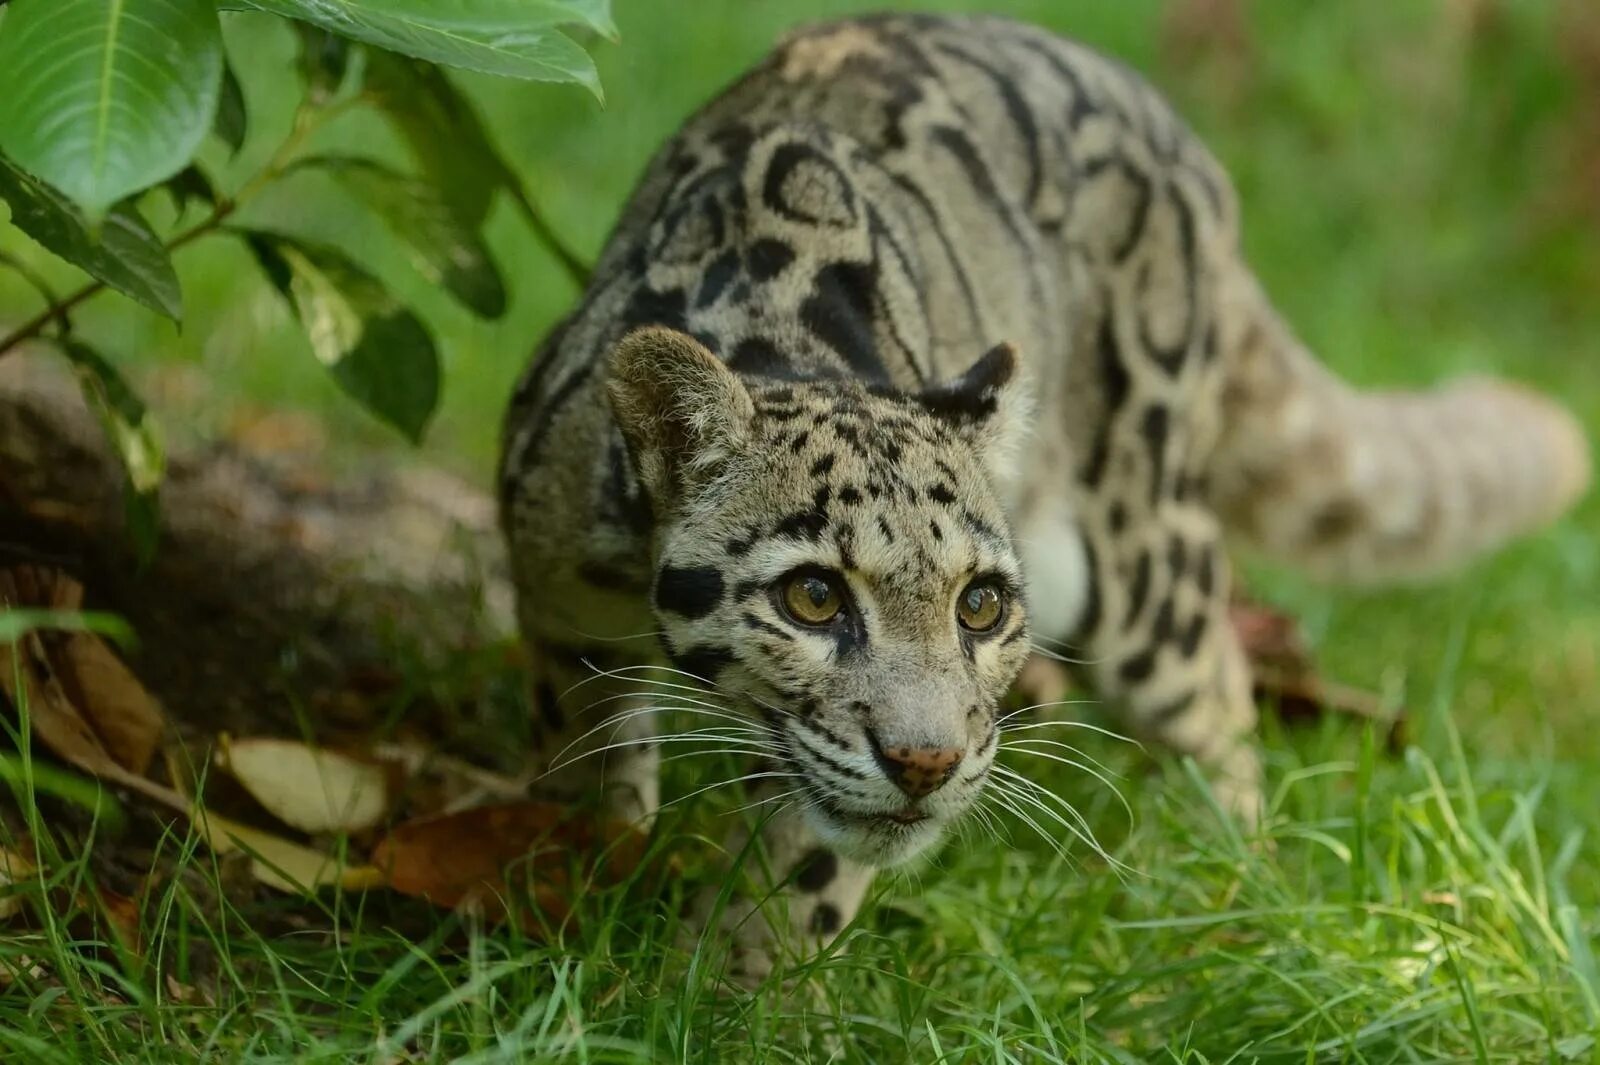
733,934
1236,785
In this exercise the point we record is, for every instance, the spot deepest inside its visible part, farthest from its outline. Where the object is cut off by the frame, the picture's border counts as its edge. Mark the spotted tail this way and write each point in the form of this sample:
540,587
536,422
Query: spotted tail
1371,487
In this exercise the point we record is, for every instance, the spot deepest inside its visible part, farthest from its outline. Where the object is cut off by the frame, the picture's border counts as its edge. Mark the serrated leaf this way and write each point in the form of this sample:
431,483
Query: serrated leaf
232,121
514,38
443,131
376,349
134,436
103,99
127,256
442,248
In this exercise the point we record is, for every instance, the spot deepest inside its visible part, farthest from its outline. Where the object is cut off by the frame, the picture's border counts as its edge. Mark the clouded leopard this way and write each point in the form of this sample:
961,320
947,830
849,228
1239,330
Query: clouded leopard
928,339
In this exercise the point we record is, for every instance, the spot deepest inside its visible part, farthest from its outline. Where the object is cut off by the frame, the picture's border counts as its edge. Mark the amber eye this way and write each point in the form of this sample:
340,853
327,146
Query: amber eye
979,607
812,598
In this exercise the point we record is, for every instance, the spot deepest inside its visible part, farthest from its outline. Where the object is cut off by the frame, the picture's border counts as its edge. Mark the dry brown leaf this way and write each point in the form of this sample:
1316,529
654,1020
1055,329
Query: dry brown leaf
462,858
83,703
1286,676
15,869
55,721
279,863
309,788
122,713
122,917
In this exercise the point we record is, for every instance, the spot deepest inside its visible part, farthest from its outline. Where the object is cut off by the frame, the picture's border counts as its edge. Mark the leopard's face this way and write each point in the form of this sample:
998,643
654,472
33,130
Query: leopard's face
843,569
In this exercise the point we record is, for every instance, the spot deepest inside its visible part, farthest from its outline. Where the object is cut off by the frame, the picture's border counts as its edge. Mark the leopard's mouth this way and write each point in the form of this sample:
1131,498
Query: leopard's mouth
884,837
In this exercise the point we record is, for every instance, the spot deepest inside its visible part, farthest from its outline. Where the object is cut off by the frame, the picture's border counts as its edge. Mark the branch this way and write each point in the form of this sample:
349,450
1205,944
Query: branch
58,311
570,261
306,121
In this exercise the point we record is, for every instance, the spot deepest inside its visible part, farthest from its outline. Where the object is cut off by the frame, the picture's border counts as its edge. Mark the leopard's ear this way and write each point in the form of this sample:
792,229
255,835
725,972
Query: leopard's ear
683,413
989,406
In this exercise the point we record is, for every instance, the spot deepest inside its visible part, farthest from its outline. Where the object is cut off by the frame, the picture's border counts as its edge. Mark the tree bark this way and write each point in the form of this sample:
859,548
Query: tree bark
276,588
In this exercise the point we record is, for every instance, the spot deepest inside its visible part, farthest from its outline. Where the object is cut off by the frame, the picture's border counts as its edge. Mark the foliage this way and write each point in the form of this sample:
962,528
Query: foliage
106,102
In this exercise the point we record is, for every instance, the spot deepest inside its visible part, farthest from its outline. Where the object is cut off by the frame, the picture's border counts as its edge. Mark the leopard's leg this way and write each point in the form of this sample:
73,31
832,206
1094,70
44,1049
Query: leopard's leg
792,896
1163,650
594,734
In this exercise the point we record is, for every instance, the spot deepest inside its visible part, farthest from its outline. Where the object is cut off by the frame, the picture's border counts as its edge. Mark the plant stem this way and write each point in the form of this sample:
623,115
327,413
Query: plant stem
57,311
574,266
306,121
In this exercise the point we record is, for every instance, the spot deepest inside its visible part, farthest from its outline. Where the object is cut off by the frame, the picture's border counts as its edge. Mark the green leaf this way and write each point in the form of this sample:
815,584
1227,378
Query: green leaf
134,436
324,60
377,350
15,623
442,248
514,38
127,256
37,283
191,183
107,97
233,117
443,131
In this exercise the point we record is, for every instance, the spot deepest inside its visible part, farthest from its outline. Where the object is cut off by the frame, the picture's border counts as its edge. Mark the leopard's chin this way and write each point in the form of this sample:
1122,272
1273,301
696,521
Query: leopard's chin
875,839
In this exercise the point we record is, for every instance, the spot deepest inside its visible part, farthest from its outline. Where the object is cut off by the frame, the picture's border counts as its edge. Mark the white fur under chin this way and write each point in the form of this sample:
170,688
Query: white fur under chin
872,847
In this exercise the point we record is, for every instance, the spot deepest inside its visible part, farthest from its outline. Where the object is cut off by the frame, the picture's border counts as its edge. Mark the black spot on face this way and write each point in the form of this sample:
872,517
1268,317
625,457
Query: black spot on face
805,525
702,663
691,592
821,467
941,493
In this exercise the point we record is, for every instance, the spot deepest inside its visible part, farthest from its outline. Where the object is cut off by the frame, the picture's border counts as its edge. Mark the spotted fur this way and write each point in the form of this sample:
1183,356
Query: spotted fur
921,300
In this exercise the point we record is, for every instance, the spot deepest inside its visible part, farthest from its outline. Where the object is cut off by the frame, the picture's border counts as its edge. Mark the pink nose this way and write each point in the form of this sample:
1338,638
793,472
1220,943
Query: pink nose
918,771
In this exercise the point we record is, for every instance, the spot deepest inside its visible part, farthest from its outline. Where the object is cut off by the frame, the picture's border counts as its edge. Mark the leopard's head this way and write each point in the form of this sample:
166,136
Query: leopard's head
835,558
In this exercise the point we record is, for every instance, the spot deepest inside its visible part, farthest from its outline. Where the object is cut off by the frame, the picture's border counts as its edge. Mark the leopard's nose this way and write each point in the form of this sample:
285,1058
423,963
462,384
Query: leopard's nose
917,771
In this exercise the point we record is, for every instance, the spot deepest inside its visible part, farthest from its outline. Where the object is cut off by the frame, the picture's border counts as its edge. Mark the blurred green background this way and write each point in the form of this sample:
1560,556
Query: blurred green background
1421,188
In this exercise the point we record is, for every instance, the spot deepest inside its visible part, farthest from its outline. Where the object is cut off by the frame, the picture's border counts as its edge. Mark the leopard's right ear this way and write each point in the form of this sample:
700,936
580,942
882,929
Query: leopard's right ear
683,413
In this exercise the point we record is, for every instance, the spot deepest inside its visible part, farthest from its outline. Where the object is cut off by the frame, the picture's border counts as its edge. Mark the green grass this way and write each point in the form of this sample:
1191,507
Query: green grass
1412,202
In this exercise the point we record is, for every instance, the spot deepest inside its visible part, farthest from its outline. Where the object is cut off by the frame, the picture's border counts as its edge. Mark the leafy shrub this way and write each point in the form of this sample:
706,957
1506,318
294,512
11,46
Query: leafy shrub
105,102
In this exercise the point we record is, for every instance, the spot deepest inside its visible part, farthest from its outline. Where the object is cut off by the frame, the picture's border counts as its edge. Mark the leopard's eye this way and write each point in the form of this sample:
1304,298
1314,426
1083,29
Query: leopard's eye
980,606
813,598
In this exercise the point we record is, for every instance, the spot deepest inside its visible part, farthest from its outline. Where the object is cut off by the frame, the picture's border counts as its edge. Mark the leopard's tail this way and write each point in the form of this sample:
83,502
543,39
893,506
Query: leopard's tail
1371,487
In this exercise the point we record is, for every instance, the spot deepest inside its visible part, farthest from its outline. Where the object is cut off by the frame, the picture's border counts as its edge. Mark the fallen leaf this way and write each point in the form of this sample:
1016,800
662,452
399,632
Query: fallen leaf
309,788
1286,677
82,702
280,863
123,715
122,917
461,859
14,869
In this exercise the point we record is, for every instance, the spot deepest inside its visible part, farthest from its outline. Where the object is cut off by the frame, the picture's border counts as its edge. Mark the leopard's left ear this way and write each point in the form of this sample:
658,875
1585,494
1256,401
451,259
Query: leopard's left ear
683,413
989,406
